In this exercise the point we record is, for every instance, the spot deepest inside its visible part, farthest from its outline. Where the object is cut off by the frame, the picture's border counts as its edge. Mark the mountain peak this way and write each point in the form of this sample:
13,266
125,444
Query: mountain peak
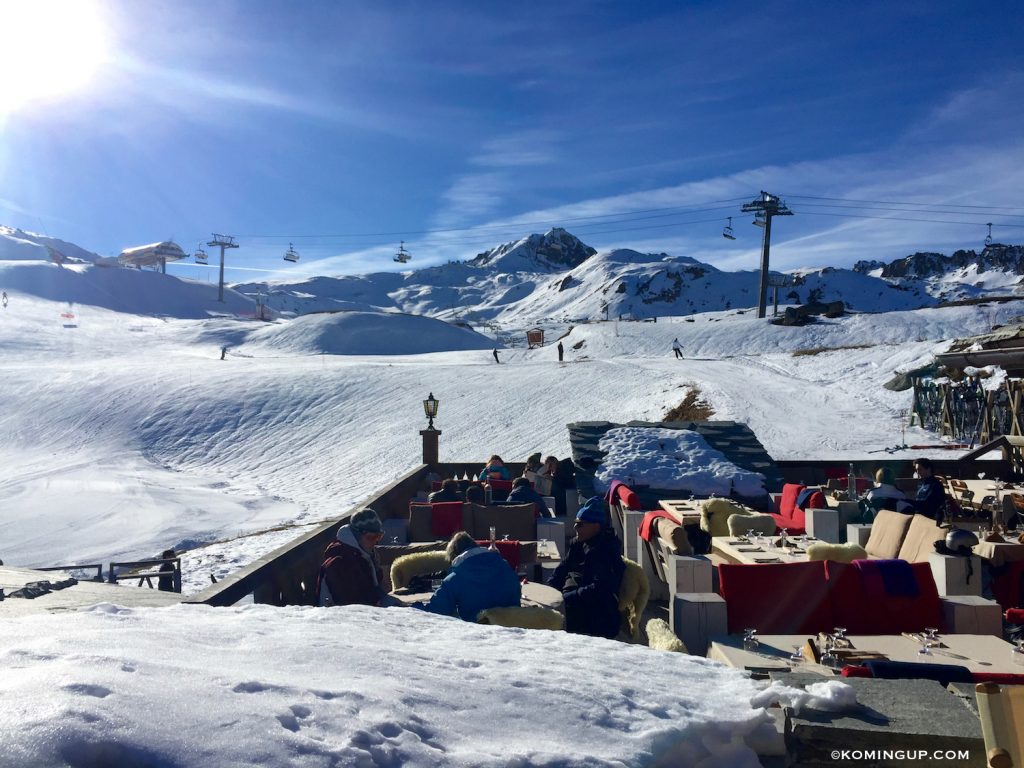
555,250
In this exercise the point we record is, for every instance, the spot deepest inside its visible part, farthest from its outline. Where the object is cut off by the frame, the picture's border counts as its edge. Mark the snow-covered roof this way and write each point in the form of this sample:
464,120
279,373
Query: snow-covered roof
154,253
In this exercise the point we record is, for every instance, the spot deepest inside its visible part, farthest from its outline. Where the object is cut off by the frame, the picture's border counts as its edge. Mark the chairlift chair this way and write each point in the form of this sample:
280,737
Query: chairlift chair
759,219
291,254
403,255
727,232
200,256
988,238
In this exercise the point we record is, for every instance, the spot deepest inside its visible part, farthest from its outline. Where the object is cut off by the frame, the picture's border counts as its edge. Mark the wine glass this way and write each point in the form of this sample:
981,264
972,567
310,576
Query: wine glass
750,638
932,633
829,658
981,475
1017,654
394,541
926,645
751,535
840,633
798,652
435,584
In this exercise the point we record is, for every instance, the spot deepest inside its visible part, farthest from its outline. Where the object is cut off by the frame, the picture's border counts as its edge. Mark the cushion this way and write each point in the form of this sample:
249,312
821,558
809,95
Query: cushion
840,553
815,501
420,516
628,497
714,514
417,564
660,637
920,539
525,616
887,533
776,598
673,536
740,524
519,521
445,519
788,500
886,616
634,592
901,670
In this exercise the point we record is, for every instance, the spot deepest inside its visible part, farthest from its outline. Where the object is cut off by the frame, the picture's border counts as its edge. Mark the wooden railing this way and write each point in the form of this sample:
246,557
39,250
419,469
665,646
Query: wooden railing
288,575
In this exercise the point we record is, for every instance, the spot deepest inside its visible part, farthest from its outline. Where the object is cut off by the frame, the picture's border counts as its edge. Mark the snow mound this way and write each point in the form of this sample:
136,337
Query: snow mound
366,333
437,692
672,459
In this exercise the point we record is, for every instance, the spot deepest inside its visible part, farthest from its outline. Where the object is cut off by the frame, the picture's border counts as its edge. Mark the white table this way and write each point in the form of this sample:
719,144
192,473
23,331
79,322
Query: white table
532,594
978,653
736,551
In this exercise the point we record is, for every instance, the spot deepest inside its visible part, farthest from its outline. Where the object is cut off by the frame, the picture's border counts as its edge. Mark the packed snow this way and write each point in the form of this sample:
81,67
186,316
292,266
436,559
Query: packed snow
671,459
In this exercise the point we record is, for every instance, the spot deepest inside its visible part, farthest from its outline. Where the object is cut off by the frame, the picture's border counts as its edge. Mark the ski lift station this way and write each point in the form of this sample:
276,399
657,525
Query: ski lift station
151,255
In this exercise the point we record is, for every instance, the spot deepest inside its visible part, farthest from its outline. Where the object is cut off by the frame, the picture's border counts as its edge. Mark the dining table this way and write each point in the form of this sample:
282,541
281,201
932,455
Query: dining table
685,511
772,653
533,594
760,550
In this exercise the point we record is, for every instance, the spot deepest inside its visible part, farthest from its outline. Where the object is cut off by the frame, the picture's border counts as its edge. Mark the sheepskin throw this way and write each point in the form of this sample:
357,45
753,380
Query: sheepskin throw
840,553
525,617
660,637
407,566
740,524
714,514
634,593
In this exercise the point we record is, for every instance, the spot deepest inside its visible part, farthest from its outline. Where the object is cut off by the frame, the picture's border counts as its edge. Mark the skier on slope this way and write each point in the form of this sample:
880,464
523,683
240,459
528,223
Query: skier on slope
677,348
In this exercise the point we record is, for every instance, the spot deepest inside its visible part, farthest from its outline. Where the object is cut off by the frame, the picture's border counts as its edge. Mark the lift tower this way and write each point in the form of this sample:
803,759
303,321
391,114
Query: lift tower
764,208
223,241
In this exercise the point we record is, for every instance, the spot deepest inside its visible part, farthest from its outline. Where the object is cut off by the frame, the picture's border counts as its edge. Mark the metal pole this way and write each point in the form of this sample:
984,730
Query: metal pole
762,293
220,285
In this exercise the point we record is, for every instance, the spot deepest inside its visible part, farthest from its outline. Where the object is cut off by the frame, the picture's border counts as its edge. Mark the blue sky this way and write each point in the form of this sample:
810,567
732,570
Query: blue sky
345,127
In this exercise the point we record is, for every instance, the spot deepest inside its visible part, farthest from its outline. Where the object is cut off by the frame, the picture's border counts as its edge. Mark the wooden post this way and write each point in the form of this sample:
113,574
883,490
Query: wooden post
430,446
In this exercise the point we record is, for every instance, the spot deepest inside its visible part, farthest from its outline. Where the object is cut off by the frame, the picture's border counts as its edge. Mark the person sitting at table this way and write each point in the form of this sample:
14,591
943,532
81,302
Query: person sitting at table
563,477
533,464
495,469
449,492
885,494
523,493
479,579
930,499
590,574
475,494
350,573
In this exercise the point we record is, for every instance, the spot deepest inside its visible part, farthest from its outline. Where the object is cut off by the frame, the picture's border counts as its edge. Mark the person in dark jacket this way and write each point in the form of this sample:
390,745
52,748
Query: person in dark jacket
479,579
523,493
563,478
930,499
166,583
590,574
449,492
351,573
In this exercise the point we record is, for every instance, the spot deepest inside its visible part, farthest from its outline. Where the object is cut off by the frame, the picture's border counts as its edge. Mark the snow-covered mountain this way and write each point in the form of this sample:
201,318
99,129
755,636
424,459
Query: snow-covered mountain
556,277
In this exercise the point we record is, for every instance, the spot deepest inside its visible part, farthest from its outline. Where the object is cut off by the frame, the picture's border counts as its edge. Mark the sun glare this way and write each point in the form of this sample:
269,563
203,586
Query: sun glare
49,49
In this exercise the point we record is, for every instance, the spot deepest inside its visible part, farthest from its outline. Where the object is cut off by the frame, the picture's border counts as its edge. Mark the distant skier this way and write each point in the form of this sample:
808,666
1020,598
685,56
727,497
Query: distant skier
677,348
495,353
561,351
223,352
5,300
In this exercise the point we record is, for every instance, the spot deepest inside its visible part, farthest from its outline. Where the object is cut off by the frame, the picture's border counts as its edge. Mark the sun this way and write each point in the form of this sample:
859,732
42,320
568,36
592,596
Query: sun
48,49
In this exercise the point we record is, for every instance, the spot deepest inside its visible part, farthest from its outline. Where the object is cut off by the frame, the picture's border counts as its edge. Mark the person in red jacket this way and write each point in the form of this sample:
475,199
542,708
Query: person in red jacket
351,573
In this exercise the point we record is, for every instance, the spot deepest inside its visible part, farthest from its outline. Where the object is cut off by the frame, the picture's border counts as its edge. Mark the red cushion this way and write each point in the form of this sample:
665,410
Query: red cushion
788,499
445,519
1015,616
889,615
783,598
1006,586
500,485
790,523
817,501
628,497
510,550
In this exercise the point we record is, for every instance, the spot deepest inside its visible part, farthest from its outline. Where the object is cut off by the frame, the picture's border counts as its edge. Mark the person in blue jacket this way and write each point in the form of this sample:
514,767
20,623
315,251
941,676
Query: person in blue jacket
495,470
590,574
522,493
479,579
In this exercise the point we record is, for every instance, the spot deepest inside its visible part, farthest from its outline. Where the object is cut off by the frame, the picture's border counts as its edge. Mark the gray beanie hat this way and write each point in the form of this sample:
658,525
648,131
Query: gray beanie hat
365,521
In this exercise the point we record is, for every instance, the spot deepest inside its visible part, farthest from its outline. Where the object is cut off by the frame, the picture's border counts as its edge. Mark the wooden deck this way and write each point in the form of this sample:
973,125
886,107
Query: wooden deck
75,597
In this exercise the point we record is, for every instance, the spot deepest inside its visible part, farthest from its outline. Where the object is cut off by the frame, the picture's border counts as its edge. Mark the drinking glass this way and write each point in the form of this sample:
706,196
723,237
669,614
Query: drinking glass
798,652
504,537
749,638
931,633
981,475
435,584
394,540
840,633
829,658
1017,654
926,646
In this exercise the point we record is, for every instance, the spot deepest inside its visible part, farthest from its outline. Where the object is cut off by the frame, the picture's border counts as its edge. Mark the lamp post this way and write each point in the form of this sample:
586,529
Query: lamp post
430,435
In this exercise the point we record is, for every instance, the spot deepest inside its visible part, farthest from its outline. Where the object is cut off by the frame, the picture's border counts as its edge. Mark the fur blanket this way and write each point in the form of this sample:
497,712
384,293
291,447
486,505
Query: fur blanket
407,566
660,637
840,553
526,617
714,514
634,592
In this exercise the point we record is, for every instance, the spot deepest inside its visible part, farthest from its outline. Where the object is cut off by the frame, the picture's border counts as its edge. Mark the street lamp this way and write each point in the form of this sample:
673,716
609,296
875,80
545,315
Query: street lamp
430,409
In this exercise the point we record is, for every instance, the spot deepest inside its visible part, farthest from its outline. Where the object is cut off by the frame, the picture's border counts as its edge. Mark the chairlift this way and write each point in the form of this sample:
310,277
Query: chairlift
759,219
988,238
727,232
403,255
291,254
200,255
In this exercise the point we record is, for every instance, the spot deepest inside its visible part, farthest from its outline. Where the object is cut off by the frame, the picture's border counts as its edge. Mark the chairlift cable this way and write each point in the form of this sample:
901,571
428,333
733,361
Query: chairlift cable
906,202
